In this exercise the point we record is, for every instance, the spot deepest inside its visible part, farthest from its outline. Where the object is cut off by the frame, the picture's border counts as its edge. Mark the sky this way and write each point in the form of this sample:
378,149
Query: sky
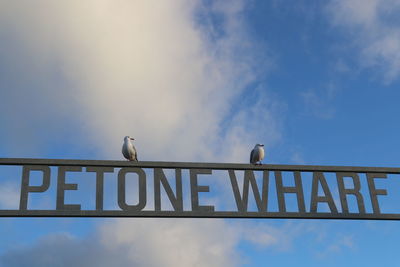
203,81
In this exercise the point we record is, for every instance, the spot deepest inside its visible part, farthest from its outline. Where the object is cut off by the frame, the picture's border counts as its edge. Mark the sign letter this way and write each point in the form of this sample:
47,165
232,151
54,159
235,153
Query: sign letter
297,189
195,189
142,189
347,191
319,177
99,183
373,192
62,186
242,202
26,188
176,201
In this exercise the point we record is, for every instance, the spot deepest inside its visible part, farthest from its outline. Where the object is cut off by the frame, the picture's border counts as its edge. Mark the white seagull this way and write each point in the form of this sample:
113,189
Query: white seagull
128,149
257,154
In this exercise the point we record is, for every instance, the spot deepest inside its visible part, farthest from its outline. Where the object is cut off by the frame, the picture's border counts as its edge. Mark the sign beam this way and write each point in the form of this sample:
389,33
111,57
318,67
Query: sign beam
240,194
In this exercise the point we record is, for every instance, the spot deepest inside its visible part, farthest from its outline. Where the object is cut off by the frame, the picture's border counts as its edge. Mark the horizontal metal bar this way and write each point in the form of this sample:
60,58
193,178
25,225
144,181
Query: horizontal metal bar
191,214
195,165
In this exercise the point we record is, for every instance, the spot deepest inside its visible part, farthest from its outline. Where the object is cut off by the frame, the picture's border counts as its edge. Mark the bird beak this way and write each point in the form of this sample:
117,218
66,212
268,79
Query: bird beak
132,138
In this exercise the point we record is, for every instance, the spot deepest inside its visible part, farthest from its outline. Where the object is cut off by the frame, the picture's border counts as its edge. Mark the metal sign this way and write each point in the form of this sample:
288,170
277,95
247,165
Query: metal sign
260,191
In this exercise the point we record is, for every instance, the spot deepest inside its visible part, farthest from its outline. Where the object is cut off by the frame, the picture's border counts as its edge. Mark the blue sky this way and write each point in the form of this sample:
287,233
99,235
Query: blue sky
315,81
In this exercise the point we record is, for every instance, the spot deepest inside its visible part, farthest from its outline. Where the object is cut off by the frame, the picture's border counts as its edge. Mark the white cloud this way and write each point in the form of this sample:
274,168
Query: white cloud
318,103
150,242
374,29
145,69
337,246
9,196
173,242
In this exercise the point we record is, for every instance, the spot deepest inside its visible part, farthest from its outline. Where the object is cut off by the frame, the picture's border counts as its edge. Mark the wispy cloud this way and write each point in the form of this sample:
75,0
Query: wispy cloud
337,246
149,242
318,102
373,29
9,195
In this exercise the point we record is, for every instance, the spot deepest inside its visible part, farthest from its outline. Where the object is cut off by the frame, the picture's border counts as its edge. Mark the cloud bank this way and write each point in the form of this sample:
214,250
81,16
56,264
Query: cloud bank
165,73
130,243
171,242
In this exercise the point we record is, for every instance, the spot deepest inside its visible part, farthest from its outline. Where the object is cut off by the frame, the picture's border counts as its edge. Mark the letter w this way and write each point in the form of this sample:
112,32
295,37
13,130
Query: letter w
242,202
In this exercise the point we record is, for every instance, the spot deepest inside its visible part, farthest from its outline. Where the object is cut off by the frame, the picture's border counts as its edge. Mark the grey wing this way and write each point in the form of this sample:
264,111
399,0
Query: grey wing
125,152
251,156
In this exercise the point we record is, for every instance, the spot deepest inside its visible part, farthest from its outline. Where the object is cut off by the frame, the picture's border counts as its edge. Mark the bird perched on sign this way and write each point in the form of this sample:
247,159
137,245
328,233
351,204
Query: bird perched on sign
128,149
257,154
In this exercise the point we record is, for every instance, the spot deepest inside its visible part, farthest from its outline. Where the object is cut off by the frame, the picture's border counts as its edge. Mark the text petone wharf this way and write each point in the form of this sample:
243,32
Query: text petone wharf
246,182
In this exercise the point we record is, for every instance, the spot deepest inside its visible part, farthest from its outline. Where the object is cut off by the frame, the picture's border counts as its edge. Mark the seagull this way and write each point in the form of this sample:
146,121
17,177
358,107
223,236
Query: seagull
257,154
128,150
